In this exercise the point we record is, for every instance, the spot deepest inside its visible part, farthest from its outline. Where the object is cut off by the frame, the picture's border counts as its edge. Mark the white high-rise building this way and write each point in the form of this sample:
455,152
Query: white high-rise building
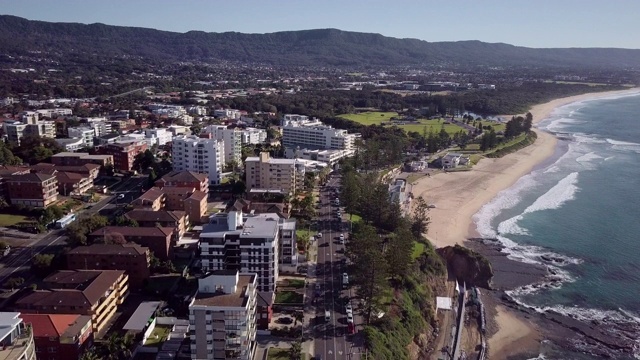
254,136
85,133
198,155
222,316
232,139
248,243
313,134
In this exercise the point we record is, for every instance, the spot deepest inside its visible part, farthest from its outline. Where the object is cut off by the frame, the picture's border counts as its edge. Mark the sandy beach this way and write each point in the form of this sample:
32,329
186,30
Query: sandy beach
458,196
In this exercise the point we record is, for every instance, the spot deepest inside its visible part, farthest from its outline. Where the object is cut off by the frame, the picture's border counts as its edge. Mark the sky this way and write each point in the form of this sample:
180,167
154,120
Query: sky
530,23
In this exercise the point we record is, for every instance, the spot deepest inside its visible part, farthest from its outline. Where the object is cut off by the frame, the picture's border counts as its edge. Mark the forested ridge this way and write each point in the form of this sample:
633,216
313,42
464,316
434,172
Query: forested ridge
319,47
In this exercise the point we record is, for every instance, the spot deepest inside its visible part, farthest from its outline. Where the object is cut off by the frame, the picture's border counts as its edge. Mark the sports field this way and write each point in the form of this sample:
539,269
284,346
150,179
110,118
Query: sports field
370,117
431,125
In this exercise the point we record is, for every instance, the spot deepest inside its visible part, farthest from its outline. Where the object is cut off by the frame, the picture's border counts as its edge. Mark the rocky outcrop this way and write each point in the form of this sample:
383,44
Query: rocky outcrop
467,265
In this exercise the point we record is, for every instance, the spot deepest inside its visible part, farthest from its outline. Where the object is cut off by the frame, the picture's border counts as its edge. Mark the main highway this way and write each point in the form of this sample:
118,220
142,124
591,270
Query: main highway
331,337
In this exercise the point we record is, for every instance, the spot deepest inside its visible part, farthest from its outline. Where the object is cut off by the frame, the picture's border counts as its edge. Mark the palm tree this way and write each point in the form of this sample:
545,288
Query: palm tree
295,351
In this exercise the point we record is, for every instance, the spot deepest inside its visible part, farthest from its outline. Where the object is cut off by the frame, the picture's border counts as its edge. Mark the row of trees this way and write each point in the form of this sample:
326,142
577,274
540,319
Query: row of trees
515,127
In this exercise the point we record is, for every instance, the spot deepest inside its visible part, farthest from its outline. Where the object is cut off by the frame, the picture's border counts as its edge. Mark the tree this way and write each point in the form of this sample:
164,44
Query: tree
295,351
420,217
298,317
350,192
114,238
108,170
399,250
41,264
3,245
144,160
13,283
34,149
7,157
238,188
528,122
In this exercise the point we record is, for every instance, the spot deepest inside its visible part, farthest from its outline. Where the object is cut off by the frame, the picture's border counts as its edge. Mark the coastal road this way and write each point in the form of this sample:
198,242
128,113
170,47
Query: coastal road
331,338
129,188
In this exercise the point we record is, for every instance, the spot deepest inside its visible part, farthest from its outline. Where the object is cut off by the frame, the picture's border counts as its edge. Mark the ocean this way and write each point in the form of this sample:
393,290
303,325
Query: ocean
579,215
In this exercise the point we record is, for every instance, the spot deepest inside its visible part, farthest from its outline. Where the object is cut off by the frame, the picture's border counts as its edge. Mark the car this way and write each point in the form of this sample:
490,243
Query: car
319,235
345,279
348,308
120,196
350,318
351,328
327,316
431,206
341,236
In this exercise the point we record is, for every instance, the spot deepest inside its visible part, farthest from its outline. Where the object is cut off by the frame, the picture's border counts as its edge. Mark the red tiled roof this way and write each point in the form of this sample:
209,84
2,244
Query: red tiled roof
148,215
49,325
133,231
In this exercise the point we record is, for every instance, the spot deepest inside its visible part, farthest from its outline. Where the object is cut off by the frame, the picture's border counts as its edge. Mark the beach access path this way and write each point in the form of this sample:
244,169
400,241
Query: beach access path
459,195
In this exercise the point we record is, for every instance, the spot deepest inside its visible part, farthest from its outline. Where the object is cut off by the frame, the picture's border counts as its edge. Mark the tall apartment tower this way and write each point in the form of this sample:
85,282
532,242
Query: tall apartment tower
222,316
199,155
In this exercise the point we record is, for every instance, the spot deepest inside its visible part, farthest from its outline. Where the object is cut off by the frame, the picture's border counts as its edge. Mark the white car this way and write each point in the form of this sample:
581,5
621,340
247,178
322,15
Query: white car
319,235
350,318
345,279
348,308
121,196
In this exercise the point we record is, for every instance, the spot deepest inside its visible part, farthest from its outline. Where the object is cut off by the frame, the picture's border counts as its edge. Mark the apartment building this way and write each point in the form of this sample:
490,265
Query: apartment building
248,244
72,144
227,113
79,159
96,293
158,239
161,136
330,157
60,336
267,173
132,258
85,133
188,179
232,141
71,183
16,338
253,136
178,220
33,189
205,156
193,202
313,134
124,153
222,316
16,130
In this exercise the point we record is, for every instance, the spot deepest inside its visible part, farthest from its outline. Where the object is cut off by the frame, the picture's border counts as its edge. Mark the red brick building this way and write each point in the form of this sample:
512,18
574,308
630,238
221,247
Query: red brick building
60,336
35,190
132,258
158,239
186,179
123,153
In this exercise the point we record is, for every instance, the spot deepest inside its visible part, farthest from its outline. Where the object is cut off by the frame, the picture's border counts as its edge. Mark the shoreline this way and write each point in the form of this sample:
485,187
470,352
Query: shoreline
460,195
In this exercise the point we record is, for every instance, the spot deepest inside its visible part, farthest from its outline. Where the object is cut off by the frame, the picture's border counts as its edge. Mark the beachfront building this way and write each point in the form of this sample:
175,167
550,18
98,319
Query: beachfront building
330,157
205,156
222,316
266,173
299,131
248,243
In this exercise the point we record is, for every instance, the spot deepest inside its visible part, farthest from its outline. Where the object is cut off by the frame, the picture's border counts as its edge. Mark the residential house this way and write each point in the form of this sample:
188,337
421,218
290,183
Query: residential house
132,258
60,336
159,240
153,199
35,190
96,293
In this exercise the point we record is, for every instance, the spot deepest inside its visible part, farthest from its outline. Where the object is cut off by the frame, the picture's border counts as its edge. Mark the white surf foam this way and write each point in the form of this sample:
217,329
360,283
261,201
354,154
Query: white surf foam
624,145
552,169
562,192
588,157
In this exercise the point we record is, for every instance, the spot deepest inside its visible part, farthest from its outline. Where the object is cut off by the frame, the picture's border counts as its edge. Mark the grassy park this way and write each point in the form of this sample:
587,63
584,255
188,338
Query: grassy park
7,220
370,117
432,125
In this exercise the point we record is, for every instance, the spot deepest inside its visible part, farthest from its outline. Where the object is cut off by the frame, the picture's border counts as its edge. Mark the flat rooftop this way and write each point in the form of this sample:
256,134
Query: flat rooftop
237,299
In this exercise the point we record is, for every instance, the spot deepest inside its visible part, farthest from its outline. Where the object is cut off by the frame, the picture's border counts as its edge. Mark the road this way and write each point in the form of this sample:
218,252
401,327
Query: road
331,338
18,261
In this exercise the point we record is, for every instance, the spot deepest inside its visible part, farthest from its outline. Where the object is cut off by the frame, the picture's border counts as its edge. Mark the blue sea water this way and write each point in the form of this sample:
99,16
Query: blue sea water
579,215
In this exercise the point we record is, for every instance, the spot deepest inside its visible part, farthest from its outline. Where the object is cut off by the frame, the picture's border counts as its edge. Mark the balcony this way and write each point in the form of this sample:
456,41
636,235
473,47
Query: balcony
22,345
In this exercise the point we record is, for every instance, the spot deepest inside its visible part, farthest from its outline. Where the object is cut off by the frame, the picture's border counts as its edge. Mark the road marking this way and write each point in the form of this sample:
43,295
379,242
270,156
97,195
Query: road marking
339,352
329,352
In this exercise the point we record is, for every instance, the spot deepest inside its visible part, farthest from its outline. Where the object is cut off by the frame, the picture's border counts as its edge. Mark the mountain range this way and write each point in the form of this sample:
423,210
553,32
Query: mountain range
321,47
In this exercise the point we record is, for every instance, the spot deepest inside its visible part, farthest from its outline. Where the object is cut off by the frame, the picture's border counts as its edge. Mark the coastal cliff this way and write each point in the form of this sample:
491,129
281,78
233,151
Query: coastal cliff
467,265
